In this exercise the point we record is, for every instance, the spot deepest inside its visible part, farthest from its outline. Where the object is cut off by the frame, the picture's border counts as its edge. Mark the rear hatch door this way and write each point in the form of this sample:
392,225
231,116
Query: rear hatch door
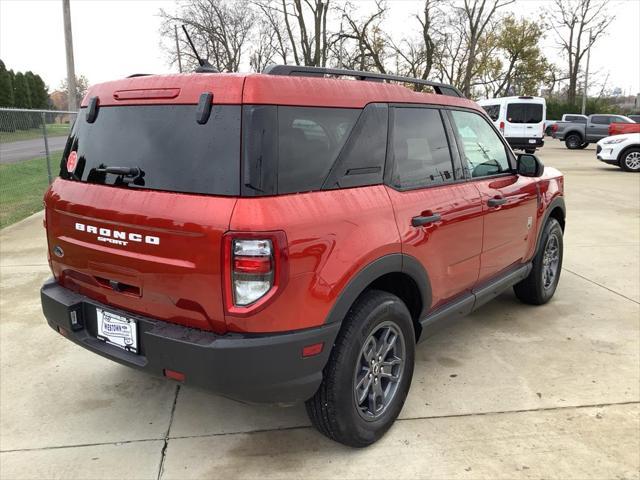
148,241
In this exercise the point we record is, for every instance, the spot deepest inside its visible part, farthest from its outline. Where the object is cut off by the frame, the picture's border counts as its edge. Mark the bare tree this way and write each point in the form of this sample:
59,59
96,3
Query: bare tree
476,15
578,24
265,48
369,43
219,28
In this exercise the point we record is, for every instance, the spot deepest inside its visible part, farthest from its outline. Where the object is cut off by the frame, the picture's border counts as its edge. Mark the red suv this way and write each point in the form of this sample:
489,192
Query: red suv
289,236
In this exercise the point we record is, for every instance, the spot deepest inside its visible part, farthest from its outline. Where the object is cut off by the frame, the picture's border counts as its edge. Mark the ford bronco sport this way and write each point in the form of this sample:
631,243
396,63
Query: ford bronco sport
289,236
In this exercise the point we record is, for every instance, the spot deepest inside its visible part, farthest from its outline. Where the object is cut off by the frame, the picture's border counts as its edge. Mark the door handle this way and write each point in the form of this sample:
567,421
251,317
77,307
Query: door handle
421,220
496,201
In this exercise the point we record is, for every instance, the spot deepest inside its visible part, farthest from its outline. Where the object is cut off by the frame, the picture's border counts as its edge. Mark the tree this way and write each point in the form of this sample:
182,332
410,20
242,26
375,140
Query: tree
265,47
82,85
419,55
578,25
523,67
220,30
6,87
367,44
21,93
476,14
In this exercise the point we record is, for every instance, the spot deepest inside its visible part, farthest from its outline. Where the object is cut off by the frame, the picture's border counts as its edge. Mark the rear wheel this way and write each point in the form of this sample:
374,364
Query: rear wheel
367,378
573,141
541,284
530,150
630,160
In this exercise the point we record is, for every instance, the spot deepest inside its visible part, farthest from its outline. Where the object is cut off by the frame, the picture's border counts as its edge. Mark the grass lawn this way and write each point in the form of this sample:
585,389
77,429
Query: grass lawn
22,186
53,130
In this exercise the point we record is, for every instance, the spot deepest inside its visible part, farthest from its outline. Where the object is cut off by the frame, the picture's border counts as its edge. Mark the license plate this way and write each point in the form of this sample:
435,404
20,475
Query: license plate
531,140
117,330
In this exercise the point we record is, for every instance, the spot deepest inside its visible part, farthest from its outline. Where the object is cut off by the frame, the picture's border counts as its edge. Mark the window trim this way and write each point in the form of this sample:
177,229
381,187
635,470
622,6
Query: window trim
390,162
511,157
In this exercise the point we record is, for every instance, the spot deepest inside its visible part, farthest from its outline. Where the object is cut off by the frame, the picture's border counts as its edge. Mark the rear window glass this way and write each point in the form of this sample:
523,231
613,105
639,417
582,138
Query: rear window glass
292,149
165,142
524,113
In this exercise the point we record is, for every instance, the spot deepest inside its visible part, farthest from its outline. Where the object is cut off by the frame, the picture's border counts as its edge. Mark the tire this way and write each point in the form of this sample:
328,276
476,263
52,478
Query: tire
573,141
538,288
333,410
530,150
630,160
583,146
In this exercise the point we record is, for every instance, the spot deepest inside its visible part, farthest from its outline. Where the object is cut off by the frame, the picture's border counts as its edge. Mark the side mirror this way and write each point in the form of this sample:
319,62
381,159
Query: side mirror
529,165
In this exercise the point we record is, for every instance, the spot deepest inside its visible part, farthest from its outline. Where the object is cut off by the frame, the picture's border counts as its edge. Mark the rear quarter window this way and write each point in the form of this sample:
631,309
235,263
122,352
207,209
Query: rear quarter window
493,111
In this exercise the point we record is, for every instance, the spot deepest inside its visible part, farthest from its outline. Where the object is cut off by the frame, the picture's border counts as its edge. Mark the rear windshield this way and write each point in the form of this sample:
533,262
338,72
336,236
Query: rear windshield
524,113
164,142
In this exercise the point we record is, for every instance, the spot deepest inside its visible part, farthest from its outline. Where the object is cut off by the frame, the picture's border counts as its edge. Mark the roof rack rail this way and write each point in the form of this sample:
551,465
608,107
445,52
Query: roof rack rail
139,75
302,71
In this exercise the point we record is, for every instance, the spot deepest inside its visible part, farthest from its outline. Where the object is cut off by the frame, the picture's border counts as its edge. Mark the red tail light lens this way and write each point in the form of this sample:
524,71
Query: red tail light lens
554,127
502,128
255,268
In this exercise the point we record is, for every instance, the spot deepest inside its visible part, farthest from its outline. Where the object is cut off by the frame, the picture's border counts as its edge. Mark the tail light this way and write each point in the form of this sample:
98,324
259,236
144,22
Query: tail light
554,127
254,268
502,128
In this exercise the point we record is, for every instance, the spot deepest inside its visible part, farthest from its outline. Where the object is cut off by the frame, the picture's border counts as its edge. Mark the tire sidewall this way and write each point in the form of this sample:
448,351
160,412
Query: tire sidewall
552,227
573,146
623,159
391,309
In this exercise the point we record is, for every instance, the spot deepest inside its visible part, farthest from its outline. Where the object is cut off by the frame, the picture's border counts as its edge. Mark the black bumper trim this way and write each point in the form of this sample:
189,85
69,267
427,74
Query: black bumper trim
265,368
523,143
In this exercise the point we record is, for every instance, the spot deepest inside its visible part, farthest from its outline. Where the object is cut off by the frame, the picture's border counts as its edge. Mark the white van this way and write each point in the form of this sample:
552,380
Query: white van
519,119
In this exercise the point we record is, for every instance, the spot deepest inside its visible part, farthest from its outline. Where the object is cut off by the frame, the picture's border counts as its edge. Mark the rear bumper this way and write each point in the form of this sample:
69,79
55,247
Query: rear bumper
524,143
253,368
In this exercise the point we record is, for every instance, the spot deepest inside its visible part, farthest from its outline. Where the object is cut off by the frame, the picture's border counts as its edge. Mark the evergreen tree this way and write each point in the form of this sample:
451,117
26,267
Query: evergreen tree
6,87
21,93
42,93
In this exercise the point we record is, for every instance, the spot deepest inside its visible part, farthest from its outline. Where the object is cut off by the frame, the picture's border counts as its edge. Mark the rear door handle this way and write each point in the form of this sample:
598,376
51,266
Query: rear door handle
496,201
425,220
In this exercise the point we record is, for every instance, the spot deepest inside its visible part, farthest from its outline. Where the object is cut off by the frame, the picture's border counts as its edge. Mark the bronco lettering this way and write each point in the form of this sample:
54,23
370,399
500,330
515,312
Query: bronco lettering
117,237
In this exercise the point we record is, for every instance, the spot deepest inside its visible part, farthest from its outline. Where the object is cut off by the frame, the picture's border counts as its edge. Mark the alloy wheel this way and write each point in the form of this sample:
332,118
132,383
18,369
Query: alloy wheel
550,261
379,370
632,161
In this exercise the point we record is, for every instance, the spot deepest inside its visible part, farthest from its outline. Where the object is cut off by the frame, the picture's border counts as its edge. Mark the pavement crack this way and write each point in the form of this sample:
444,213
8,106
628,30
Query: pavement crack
163,453
600,285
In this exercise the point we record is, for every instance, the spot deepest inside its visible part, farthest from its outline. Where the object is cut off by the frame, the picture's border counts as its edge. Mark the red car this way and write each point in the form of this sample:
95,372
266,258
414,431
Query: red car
623,128
289,236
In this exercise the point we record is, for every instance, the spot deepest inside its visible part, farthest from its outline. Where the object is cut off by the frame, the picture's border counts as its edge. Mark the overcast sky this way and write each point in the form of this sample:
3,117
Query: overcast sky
115,38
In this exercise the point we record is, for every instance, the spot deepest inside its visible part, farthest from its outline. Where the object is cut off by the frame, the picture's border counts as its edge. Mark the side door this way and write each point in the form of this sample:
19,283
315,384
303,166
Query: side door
598,127
514,127
438,213
509,201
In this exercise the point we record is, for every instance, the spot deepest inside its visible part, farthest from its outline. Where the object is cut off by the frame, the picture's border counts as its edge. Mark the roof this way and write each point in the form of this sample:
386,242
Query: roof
262,89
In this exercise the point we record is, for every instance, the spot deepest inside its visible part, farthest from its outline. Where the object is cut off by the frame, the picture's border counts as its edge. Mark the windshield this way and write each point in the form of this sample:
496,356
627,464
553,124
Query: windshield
161,147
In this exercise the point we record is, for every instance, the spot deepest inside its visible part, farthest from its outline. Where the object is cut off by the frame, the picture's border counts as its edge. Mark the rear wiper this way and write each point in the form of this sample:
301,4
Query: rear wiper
126,175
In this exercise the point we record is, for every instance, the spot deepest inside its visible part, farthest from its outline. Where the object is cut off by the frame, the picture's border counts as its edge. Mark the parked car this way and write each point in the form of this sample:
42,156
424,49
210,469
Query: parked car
635,118
548,127
620,150
521,120
289,236
578,134
621,128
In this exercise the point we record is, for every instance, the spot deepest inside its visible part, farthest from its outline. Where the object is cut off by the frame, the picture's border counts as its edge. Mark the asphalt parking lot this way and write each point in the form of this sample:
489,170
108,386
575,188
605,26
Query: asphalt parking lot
513,391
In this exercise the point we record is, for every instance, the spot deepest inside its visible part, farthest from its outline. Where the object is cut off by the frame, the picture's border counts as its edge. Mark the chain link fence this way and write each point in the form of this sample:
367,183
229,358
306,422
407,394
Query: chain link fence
31,145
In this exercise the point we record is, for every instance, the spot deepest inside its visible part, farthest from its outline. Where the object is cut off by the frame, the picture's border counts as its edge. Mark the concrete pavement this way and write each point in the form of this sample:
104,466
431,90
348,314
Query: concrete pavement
13,152
513,391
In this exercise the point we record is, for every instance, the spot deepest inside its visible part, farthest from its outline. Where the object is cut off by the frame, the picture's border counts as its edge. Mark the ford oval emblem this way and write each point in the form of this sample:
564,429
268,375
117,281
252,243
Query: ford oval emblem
57,250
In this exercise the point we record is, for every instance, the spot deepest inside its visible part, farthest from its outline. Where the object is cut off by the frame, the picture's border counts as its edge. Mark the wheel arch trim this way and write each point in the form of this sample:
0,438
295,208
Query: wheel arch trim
392,263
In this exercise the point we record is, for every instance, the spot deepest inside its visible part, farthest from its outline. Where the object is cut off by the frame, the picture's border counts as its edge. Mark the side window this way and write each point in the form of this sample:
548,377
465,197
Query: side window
420,149
493,111
482,151
600,120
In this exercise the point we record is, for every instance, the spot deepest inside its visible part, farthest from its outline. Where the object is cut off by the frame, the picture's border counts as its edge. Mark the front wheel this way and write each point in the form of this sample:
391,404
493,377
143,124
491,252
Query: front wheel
367,378
583,146
542,281
630,160
573,141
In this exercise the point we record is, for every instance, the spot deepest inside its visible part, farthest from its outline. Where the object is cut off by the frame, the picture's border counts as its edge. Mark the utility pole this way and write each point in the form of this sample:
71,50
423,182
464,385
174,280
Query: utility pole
71,71
175,29
586,77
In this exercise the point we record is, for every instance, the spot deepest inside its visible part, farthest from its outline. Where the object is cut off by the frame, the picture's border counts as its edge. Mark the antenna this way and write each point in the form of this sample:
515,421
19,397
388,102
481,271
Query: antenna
205,66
